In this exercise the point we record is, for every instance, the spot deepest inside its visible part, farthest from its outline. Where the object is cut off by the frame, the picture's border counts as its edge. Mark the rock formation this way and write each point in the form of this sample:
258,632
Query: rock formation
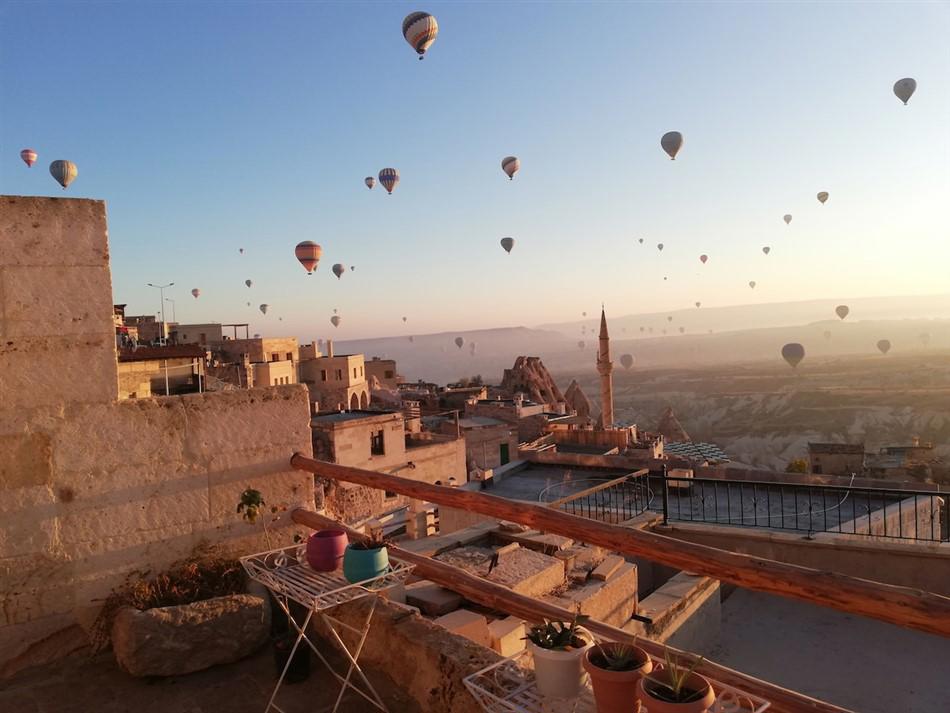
530,377
576,400
670,427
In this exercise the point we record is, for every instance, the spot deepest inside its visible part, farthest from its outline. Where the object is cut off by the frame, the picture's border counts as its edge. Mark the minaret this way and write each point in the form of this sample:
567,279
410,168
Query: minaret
605,368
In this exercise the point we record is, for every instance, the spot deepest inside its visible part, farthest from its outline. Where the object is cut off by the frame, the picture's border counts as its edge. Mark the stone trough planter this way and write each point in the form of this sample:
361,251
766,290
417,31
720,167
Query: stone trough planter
170,641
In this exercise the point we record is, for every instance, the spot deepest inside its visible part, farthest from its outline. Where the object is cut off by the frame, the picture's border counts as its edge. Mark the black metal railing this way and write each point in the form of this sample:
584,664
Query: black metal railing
613,501
875,512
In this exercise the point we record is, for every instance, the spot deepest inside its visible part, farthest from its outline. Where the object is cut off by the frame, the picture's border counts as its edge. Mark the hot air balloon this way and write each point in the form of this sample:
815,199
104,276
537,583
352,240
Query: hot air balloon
827,334
787,218
641,241
241,250
822,196
334,310
703,259
659,246
248,304
510,165
411,338
404,319
338,270
698,305
672,142
904,89
842,311
370,182
335,320
664,331
389,177
626,360
308,254
884,345
766,249
352,268
508,244
420,30
248,283
682,330
642,329
752,284
459,342
580,344
670,318
264,308
29,157
64,172
793,353
665,277
583,314
196,293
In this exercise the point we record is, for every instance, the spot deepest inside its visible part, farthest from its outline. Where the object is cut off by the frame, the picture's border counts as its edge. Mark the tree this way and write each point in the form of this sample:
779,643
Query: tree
797,465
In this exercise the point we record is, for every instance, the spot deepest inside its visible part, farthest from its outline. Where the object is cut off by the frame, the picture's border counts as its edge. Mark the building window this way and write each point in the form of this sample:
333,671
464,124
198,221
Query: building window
390,495
361,371
274,356
290,356
354,372
376,444
339,374
388,374
323,375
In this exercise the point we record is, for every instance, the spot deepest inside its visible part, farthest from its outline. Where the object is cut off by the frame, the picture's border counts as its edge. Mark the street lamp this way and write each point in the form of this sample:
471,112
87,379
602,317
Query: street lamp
169,299
161,289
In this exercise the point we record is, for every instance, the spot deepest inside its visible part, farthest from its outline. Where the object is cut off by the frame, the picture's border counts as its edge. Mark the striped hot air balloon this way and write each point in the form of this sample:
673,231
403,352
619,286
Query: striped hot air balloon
389,177
420,30
64,172
510,165
29,157
370,182
308,254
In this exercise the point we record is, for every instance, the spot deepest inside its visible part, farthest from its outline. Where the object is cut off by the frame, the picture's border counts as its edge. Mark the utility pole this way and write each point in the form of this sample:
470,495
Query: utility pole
169,299
161,289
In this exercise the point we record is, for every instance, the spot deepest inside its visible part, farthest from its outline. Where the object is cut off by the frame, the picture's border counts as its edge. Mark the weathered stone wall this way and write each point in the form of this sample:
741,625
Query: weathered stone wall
92,488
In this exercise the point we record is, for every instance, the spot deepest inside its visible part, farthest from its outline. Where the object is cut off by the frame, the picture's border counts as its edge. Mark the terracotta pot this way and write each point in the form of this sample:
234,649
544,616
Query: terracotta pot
558,674
694,682
616,691
325,549
360,565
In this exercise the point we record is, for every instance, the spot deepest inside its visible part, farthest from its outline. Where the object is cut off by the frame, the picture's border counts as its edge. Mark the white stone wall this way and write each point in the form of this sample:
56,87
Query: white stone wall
92,488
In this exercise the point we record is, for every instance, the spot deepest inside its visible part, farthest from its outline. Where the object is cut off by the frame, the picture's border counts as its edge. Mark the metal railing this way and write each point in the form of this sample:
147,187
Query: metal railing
614,501
874,512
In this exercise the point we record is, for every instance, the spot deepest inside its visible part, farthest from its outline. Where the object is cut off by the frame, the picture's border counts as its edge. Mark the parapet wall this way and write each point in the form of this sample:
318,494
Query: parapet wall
92,488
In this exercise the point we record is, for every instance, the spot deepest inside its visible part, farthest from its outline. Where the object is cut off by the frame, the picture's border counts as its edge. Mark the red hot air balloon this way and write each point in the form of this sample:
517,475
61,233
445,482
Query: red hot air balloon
308,253
29,157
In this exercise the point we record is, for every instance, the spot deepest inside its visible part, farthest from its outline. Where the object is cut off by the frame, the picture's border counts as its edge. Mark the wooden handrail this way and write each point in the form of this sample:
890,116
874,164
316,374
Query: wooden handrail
597,488
903,606
500,598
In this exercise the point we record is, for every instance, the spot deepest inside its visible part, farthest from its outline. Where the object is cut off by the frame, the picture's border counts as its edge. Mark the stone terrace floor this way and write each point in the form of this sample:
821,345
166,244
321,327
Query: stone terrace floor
80,684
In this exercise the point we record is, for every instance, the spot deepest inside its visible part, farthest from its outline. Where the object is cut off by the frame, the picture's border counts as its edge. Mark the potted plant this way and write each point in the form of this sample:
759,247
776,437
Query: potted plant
676,688
615,669
557,648
325,549
366,559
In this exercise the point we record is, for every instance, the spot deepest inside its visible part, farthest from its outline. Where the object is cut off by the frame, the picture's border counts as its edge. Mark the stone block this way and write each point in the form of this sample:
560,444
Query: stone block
528,572
506,549
431,599
507,635
508,526
25,460
51,232
606,569
170,641
463,622
612,602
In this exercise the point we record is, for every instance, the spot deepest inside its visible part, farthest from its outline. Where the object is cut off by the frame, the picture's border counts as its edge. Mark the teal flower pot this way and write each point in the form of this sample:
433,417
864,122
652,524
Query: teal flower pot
360,565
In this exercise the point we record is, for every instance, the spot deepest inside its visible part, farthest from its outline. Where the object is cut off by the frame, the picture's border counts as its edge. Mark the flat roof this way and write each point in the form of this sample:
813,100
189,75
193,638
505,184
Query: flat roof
343,416
169,351
479,421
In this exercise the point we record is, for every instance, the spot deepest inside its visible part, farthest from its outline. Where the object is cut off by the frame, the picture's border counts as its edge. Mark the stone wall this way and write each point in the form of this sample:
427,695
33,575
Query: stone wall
92,488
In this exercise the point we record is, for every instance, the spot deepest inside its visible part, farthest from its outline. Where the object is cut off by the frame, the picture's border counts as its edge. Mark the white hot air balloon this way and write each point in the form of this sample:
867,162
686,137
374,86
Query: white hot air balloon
672,142
510,165
508,244
904,89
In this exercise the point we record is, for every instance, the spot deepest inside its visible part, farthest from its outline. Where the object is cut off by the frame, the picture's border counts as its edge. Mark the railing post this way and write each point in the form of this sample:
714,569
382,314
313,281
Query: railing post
666,498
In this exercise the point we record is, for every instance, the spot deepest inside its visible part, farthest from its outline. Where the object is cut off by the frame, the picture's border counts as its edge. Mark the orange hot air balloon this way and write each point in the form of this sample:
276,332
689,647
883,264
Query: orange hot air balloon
29,157
308,254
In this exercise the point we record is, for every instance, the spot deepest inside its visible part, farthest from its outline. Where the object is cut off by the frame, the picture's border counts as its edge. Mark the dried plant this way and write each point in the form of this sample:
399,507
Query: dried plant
374,540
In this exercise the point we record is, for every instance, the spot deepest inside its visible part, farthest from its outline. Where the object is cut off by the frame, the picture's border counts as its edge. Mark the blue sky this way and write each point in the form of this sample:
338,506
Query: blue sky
213,126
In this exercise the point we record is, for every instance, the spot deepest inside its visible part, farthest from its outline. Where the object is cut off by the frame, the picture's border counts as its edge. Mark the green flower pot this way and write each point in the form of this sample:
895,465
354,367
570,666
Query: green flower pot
360,565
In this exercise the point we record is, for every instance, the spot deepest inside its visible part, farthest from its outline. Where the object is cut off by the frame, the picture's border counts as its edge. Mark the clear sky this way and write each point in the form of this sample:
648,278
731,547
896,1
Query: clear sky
213,126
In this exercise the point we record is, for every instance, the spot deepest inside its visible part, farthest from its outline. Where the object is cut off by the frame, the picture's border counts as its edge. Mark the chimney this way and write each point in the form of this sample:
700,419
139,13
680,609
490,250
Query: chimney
329,347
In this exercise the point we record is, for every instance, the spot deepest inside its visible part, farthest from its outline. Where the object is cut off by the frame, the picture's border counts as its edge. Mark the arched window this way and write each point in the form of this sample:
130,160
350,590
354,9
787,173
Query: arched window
354,402
364,402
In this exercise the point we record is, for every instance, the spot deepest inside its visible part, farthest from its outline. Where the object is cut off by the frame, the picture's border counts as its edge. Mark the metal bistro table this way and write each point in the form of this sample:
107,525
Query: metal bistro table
287,575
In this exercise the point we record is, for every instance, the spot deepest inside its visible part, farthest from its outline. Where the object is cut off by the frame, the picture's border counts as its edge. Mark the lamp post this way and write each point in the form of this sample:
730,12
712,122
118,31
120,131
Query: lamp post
169,299
161,289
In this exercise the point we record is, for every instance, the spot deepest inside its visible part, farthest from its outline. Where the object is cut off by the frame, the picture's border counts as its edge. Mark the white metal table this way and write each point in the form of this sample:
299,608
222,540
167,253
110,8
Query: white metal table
508,687
287,575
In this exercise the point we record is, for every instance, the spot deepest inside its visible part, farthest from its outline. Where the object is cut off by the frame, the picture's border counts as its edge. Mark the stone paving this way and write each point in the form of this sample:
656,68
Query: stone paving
80,684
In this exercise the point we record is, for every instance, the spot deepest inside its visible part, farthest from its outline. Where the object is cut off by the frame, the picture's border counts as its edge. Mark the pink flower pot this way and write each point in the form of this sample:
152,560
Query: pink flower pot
325,549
